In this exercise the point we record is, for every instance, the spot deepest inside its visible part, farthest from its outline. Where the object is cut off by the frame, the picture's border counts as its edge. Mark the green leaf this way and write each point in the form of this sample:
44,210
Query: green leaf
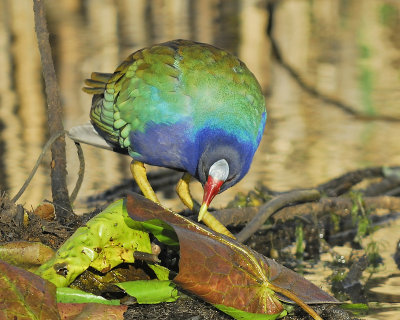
355,306
299,233
162,231
161,272
69,295
356,309
243,315
150,291
108,239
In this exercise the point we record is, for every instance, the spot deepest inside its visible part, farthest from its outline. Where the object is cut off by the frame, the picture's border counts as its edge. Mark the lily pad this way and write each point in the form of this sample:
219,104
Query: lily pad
225,272
108,239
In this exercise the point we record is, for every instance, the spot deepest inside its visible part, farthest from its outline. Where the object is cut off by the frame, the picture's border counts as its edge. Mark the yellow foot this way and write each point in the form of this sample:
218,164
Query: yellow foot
214,224
139,174
183,192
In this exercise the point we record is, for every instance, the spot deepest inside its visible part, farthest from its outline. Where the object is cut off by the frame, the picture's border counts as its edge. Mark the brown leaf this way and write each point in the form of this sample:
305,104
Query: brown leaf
88,311
69,311
222,271
45,211
25,254
98,283
24,295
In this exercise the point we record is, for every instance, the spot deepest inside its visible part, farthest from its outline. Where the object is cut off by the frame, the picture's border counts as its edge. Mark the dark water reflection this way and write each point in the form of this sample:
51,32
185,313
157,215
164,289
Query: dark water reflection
348,50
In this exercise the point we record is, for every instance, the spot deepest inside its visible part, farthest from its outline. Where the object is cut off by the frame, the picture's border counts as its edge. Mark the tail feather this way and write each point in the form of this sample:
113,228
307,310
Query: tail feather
101,76
97,83
94,83
101,118
90,90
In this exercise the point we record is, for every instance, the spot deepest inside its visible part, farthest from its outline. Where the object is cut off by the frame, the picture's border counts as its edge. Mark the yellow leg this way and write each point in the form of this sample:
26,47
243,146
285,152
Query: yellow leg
214,224
183,191
139,174
182,188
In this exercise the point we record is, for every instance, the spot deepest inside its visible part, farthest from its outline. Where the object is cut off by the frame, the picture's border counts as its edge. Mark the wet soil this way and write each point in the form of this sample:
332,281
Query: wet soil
339,243
18,224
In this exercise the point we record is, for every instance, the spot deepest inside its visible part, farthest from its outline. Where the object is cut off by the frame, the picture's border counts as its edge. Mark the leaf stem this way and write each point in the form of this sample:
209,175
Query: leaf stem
296,299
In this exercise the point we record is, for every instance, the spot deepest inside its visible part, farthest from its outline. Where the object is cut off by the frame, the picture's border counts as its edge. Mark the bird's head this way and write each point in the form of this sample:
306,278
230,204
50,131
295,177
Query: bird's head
220,167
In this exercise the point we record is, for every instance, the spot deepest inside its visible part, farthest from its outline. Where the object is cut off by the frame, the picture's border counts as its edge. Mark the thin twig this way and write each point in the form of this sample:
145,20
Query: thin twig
46,147
81,173
58,168
268,209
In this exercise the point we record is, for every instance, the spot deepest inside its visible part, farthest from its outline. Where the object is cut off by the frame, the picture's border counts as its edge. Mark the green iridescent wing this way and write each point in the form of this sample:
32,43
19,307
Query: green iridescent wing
173,81
143,88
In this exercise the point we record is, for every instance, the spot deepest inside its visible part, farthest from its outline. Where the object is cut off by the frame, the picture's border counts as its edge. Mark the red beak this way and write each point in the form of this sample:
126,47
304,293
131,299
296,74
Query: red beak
211,189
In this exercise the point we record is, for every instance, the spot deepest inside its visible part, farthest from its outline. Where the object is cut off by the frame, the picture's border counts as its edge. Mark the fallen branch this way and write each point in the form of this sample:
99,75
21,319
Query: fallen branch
338,205
345,182
389,186
268,209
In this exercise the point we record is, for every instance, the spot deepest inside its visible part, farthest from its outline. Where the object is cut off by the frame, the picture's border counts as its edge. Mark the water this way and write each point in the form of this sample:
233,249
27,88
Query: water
348,50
